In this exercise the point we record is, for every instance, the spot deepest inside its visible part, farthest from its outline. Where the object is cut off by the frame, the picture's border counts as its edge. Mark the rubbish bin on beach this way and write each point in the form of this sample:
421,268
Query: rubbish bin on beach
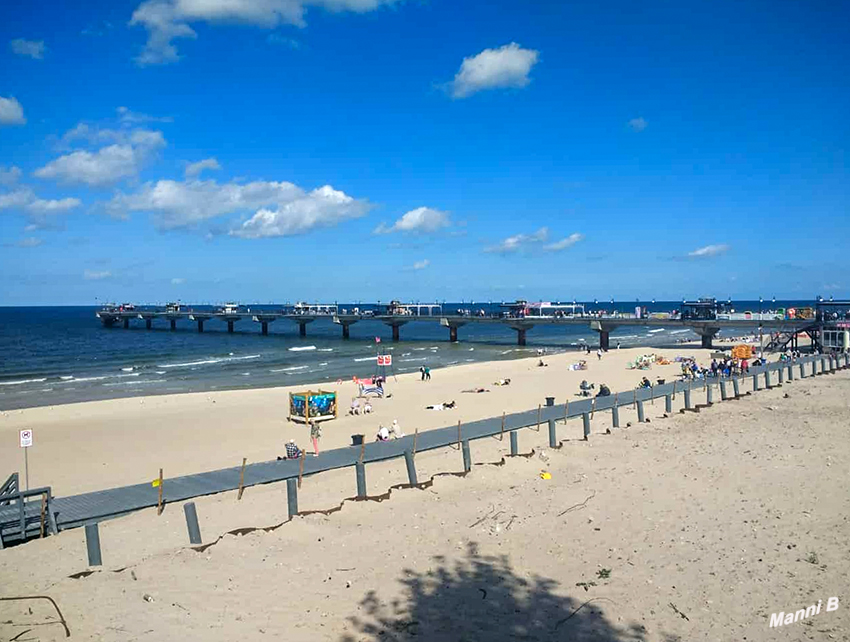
357,440
550,401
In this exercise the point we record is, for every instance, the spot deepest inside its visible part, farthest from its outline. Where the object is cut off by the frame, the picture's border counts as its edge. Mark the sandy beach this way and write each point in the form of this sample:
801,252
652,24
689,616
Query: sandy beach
690,527
101,444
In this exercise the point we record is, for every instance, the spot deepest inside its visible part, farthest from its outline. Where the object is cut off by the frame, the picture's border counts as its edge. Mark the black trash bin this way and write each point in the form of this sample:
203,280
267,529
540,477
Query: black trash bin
357,440
550,401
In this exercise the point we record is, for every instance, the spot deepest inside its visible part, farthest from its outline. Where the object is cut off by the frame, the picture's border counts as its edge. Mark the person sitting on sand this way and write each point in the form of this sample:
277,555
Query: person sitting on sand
540,364
367,408
446,405
604,391
476,390
395,430
292,450
383,434
502,382
585,388
355,407
645,383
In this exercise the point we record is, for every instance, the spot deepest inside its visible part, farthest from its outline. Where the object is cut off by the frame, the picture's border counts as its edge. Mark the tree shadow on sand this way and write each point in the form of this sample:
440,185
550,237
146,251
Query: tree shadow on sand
482,599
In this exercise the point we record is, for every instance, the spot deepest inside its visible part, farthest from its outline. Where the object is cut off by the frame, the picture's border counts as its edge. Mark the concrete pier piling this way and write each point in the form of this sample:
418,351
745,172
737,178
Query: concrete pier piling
292,497
411,467
553,436
173,324
360,469
467,457
200,325
514,443
585,422
126,323
192,522
148,323
723,394
687,393
767,380
709,395
668,403
264,328
615,417
230,327
781,372
736,388
93,545
755,383
802,371
640,412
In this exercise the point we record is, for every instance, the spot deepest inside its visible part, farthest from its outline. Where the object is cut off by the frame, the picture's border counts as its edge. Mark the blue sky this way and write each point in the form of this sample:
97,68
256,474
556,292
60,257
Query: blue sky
211,150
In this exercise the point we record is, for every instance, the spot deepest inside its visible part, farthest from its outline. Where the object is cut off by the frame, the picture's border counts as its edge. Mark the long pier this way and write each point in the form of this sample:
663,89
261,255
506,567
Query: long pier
602,324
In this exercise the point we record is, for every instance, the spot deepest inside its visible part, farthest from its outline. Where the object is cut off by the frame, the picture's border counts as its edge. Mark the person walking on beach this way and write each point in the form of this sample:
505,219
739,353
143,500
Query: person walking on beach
422,372
599,354
315,434
427,373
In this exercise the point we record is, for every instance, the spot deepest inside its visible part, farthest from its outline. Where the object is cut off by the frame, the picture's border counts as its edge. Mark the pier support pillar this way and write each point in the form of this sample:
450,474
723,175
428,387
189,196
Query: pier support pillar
736,388
604,330
200,325
723,395
520,336
585,424
230,327
604,340
396,332
126,323
264,328
345,331
640,411
706,340
148,323
707,334
453,333
173,324
302,329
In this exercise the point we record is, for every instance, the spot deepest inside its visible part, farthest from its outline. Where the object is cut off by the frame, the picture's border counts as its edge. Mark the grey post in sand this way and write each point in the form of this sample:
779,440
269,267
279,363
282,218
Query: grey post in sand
755,383
687,392
192,522
790,372
781,375
467,458
736,388
553,437
292,496
709,399
668,403
514,444
411,467
767,382
615,416
641,416
585,421
723,395
360,468
802,371
93,544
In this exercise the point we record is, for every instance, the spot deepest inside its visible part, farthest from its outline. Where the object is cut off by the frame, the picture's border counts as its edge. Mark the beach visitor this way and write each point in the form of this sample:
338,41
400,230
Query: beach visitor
422,373
427,373
618,345
315,433
599,354
292,450
383,434
604,391
367,408
395,429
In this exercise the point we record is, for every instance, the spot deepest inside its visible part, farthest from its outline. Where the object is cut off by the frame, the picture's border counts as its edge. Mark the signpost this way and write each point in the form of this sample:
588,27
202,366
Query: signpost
26,443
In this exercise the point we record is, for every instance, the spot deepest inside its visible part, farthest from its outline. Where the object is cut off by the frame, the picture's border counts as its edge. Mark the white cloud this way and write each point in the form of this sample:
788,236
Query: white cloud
128,117
27,242
32,48
11,112
177,281
323,207
17,198
9,176
41,212
565,243
108,164
91,275
167,20
507,66
709,251
195,169
519,242
42,207
421,265
422,219
275,208
638,124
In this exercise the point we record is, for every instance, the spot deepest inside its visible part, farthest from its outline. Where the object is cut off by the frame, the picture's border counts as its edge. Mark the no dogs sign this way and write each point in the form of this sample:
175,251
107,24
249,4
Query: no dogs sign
26,438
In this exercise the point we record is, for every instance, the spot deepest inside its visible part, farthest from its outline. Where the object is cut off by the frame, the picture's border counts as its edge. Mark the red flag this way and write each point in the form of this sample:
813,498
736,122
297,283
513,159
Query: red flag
377,339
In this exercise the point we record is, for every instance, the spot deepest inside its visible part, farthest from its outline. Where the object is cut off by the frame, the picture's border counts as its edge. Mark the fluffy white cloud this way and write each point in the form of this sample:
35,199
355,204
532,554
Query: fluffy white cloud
41,212
507,66
16,198
421,265
323,207
11,112
30,241
422,219
276,208
195,169
43,207
92,275
519,242
108,164
709,251
128,117
32,48
563,244
638,124
167,20
9,176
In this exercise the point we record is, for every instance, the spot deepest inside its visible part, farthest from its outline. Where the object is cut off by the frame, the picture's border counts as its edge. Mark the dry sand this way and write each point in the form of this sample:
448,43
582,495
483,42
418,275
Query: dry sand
101,444
692,527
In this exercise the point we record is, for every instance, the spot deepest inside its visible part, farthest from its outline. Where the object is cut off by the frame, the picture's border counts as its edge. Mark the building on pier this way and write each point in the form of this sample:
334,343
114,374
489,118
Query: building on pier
833,318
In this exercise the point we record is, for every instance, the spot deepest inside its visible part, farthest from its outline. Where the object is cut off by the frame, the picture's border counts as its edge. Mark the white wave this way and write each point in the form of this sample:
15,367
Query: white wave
435,347
302,348
324,363
132,383
205,362
22,381
159,372
406,354
101,378
505,352
471,349
658,330
67,377
415,359
420,348
290,369
366,359
130,369
326,349
678,331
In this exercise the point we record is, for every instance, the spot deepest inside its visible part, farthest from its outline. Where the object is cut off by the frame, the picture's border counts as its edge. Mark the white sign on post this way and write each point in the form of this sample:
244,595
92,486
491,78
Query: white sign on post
26,438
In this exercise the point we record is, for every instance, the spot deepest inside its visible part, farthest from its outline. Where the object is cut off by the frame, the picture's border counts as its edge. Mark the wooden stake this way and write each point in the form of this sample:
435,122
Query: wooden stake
415,438
43,505
301,468
502,431
159,501
242,479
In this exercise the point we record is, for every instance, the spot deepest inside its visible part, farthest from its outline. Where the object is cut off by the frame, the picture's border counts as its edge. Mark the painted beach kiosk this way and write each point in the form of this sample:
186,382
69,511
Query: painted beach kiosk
308,406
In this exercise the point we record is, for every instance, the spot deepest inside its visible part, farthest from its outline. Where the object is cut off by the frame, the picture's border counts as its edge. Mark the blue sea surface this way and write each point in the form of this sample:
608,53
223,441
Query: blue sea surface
55,355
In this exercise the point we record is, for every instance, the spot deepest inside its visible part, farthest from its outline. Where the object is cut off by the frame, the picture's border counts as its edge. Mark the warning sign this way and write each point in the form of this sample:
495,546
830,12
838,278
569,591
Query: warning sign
26,438
385,360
